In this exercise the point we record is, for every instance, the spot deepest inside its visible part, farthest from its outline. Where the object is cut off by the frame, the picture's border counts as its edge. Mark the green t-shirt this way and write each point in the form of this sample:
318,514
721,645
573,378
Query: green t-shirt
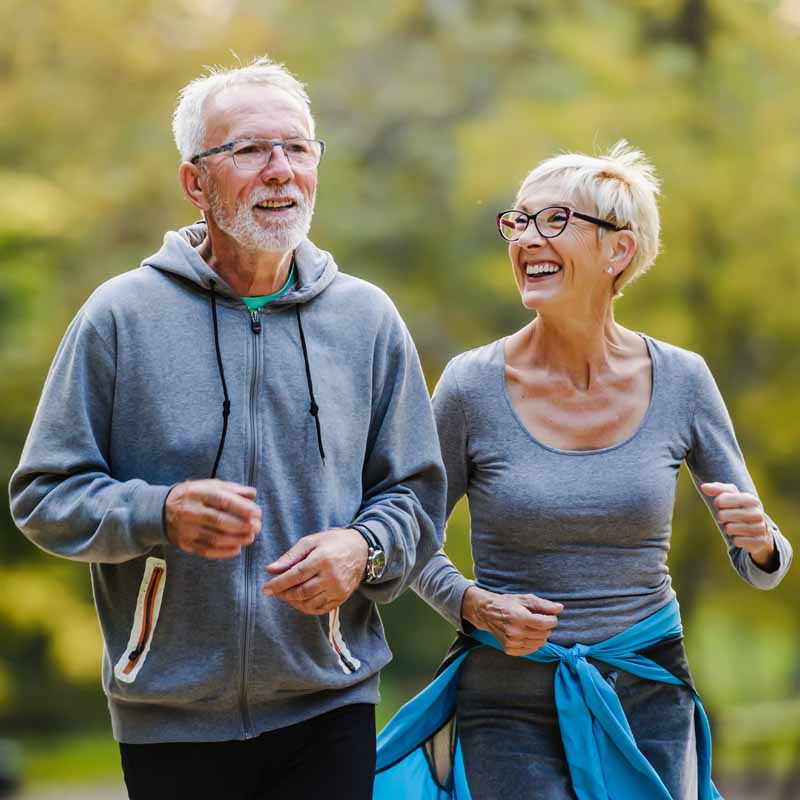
254,303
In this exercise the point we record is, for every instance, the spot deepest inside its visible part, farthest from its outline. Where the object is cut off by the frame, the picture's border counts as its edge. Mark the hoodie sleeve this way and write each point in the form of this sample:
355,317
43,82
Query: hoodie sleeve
715,456
62,495
440,583
403,478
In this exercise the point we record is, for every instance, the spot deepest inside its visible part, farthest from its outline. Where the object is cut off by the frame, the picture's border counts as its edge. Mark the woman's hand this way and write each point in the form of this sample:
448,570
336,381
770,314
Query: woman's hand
520,622
743,518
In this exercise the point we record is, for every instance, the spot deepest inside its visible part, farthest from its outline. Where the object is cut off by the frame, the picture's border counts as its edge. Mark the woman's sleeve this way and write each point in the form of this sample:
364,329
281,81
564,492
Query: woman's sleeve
715,455
440,583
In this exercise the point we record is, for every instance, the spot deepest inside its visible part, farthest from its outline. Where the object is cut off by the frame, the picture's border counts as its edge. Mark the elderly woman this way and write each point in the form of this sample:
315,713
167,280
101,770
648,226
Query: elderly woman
567,438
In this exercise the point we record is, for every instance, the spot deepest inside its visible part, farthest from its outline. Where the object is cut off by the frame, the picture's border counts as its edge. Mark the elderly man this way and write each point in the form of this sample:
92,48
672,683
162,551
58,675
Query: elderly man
238,437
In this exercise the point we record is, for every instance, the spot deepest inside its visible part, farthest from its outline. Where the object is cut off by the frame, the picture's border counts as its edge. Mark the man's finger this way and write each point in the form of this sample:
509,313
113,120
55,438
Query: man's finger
211,537
298,574
303,593
294,555
232,503
220,521
237,488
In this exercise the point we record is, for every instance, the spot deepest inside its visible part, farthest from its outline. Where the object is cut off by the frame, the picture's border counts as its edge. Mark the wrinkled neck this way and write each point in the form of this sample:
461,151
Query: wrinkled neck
249,272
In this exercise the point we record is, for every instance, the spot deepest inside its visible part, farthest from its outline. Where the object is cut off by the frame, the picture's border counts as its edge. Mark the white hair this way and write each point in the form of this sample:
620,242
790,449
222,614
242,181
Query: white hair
188,121
623,187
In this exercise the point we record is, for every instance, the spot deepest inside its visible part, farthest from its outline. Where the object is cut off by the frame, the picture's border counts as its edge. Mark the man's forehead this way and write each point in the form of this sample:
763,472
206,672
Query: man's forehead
253,110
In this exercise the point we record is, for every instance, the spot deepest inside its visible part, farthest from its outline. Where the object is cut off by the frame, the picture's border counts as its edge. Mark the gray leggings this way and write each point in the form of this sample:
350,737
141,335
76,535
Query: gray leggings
510,735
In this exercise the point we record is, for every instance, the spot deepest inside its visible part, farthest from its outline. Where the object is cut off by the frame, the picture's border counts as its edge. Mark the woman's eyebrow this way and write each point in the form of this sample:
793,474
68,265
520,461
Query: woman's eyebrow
525,206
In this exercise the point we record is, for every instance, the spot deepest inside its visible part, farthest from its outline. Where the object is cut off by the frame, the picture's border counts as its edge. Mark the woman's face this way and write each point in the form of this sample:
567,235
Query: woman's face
565,270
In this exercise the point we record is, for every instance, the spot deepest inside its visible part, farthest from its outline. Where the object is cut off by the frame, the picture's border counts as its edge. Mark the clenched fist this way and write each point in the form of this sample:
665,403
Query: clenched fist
520,622
318,573
743,518
212,518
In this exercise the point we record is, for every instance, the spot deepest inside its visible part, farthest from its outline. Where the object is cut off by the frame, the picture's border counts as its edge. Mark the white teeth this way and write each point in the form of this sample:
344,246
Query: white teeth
541,269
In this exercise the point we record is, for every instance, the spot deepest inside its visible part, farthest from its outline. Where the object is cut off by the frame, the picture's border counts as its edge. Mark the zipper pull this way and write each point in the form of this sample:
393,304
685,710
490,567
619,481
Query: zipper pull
255,322
136,653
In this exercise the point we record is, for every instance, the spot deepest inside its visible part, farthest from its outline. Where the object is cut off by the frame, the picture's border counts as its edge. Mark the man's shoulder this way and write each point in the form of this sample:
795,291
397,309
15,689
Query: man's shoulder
361,297
128,288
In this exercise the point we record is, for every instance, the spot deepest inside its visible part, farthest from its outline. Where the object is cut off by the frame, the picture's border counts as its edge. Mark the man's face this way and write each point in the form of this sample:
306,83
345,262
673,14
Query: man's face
236,197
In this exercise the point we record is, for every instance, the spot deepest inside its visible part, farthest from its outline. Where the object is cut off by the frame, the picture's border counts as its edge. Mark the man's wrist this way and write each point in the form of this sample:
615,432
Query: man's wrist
375,564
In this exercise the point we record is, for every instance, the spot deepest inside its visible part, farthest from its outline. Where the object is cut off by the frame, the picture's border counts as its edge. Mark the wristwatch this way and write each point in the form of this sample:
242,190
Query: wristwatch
376,558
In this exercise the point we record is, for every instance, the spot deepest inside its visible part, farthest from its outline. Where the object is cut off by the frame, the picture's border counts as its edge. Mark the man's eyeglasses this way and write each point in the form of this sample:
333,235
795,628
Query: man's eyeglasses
251,155
550,222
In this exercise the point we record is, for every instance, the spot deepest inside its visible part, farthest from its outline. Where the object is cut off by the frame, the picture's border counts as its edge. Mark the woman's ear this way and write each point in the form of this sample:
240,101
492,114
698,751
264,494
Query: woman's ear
193,181
621,248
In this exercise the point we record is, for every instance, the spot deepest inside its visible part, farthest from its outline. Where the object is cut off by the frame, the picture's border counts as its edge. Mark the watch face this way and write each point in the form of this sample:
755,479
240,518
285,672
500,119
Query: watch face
377,564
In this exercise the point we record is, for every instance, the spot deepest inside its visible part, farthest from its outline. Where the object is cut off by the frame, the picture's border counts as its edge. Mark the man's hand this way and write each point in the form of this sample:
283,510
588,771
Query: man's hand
320,572
743,518
520,622
212,518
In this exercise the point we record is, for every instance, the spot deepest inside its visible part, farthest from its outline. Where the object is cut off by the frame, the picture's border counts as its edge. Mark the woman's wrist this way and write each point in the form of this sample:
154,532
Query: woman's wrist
768,558
472,605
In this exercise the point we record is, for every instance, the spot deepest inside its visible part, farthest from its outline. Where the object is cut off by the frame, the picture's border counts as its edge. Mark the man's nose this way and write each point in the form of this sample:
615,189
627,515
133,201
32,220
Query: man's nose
278,168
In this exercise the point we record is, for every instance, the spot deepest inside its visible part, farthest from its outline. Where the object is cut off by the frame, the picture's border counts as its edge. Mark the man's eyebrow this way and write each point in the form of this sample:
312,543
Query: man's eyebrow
292,134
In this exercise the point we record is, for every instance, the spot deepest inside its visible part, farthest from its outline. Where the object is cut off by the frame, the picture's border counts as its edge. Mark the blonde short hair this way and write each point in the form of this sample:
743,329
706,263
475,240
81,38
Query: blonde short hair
623,187
188,121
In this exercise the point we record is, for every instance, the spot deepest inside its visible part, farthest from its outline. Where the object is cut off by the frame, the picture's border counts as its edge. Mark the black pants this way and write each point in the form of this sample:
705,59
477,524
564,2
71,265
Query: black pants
331,756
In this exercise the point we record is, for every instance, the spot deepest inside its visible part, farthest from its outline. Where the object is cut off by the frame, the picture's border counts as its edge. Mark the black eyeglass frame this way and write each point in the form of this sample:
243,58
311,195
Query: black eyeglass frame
228,146
569,214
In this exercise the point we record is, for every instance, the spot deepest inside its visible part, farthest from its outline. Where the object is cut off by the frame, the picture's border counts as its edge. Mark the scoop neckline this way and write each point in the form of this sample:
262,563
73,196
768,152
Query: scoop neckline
501,343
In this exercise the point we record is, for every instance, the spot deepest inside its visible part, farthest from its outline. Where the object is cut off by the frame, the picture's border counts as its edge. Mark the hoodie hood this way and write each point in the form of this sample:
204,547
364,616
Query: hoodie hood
178,255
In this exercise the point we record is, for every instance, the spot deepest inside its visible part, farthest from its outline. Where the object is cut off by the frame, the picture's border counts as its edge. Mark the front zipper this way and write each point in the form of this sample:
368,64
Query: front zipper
255,327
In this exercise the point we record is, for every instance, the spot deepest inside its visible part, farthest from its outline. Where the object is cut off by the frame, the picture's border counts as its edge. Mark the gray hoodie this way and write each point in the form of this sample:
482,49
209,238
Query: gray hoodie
133,404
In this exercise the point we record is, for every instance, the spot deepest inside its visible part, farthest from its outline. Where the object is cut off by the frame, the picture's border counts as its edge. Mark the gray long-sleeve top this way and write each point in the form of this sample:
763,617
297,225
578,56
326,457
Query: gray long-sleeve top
590,528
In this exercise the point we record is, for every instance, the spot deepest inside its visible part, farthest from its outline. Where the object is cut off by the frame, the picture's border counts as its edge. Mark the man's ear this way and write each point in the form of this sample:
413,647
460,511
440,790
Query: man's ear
621,248
193,180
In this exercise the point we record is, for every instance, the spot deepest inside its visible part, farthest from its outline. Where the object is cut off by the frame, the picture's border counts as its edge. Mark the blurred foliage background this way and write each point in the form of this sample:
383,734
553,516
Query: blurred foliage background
433,112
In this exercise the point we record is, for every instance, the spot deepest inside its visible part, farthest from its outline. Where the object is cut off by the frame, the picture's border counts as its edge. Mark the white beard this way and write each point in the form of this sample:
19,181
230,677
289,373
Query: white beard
283,233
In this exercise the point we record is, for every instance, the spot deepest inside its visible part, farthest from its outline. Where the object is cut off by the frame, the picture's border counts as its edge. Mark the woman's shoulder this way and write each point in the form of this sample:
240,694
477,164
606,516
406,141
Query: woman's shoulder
476,364
680,357
678,360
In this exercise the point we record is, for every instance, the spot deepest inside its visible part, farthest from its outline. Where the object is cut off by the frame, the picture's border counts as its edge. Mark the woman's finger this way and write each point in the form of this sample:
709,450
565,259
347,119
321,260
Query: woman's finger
744,514
736,500
746,529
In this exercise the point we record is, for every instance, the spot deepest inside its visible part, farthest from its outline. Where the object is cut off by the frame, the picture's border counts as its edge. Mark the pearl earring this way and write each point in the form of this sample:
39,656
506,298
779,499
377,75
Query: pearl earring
610,270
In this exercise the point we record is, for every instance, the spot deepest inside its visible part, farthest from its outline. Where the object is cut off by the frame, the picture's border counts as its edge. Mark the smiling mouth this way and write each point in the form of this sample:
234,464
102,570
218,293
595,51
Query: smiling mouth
276,205
541,271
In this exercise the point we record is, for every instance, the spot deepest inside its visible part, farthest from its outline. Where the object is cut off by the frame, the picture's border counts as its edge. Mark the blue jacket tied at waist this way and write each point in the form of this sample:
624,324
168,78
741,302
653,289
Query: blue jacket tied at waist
419,756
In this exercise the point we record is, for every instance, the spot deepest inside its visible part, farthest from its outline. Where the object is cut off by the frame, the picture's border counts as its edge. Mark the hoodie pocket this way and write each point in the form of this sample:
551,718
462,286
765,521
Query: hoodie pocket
148,606
347,661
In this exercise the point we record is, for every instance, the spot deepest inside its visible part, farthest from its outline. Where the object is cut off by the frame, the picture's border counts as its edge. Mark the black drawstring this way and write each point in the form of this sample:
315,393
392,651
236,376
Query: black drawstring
226,403
313,409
